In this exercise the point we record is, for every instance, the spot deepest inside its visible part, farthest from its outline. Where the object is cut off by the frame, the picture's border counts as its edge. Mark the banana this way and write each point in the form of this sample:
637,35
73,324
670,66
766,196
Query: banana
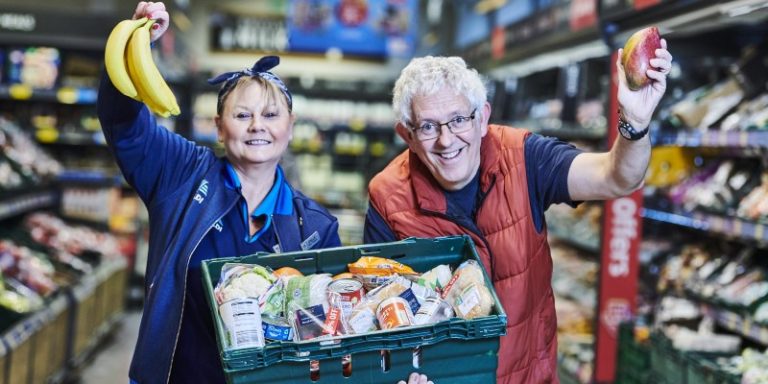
151,86
156,109
114,55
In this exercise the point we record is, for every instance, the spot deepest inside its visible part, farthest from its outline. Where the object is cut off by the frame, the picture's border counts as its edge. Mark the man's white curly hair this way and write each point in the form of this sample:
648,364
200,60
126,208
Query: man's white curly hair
426,75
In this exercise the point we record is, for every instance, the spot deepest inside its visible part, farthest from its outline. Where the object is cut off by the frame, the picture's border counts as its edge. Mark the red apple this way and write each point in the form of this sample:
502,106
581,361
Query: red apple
638,51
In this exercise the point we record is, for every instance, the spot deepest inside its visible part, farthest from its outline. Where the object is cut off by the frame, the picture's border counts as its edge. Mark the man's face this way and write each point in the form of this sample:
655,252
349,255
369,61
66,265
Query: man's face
453,159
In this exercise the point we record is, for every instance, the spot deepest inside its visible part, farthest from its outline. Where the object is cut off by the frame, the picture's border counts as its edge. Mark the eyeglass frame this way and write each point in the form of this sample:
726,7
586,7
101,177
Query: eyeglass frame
415,129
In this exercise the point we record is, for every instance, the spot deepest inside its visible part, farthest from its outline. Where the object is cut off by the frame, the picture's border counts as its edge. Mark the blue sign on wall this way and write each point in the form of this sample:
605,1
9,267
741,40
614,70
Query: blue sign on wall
376,28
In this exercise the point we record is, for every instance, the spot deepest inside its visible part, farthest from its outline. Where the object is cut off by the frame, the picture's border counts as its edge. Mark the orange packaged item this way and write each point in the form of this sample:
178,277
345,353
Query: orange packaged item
343,275
379,266
287,273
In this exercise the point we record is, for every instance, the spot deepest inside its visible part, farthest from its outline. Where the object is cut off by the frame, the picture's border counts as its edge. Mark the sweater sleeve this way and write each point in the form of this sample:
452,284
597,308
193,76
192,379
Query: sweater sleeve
376,229
153,160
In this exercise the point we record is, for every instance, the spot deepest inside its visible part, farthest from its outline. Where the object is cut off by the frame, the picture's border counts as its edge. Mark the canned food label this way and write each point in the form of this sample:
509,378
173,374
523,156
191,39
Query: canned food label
394,312
242,322
349,292
277,330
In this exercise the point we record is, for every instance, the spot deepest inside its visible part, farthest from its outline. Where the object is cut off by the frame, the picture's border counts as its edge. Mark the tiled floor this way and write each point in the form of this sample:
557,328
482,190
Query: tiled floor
111,362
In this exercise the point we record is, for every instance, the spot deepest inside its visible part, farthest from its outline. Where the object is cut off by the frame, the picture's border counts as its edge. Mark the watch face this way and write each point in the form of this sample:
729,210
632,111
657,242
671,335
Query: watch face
624,132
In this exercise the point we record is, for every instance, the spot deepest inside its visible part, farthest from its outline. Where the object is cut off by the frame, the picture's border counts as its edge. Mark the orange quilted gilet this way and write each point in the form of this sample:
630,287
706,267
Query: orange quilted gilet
515,255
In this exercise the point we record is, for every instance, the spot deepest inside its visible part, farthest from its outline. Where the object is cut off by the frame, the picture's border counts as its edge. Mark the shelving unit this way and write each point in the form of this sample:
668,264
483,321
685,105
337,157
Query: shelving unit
20,202
731,227
544,50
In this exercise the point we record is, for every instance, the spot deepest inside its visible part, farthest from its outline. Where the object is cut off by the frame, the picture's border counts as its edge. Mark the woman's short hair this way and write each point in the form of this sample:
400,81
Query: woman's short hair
271,91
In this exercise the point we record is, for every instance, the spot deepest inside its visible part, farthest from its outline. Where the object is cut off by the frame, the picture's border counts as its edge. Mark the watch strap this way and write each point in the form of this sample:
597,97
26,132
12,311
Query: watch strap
629,132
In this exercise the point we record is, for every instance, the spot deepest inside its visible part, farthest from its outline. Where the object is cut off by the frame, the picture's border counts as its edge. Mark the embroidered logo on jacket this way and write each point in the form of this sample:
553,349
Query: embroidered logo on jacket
202,191
310,241
218,225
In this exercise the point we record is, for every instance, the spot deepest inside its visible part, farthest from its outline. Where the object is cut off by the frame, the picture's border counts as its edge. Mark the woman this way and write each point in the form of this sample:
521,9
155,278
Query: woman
202,206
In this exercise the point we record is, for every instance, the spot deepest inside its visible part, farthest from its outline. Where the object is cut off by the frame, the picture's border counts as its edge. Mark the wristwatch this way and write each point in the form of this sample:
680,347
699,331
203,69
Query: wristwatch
629,132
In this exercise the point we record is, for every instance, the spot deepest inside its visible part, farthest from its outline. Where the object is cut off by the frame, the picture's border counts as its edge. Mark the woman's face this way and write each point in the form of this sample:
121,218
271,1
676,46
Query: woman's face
255,125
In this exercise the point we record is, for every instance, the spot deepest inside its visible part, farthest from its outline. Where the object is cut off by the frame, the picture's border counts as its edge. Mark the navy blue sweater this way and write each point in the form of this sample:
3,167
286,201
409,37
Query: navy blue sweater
183,186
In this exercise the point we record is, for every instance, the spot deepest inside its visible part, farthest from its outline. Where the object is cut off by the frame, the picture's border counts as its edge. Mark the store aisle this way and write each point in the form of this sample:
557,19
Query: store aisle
111,363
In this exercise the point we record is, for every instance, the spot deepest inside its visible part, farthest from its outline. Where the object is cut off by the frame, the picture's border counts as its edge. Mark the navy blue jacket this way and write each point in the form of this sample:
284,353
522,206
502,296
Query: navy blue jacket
182,185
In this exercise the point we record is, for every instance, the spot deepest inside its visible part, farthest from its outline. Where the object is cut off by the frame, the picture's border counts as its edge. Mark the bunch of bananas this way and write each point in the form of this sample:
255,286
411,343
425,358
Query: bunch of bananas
131,68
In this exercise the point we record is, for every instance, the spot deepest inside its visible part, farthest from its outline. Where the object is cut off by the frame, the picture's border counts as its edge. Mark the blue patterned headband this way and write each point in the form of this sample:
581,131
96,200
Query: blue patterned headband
260,69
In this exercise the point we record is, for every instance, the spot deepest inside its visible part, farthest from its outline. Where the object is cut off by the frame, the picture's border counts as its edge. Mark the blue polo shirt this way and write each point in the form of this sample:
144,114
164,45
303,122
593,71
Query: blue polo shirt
197,351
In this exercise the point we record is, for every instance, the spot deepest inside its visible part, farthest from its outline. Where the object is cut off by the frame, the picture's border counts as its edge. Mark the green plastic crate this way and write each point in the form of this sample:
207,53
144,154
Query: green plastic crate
668,364
452,351
634,360
703,369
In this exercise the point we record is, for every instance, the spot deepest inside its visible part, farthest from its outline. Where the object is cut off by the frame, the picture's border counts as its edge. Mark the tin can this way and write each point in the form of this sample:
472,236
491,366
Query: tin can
276,328
394,312
242,322
350,292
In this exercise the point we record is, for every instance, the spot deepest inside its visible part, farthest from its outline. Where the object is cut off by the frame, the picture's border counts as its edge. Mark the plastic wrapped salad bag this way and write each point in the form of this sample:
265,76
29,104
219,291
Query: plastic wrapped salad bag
239,281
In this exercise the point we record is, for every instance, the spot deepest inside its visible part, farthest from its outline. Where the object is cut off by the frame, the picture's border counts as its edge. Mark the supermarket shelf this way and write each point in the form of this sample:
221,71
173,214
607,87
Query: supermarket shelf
23,202
715,139
91,178
728,226
81,138
683,17
734,322
63,95
563,131
563,236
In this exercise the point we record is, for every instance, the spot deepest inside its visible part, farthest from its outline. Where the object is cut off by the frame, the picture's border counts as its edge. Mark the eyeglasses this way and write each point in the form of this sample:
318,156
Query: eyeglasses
430,129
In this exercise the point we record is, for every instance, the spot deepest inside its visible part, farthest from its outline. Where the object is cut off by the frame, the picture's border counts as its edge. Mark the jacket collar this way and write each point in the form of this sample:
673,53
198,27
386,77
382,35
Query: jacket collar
430,195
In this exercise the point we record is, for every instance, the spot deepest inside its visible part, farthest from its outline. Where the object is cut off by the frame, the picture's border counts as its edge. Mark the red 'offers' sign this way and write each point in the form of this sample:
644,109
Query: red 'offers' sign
622,229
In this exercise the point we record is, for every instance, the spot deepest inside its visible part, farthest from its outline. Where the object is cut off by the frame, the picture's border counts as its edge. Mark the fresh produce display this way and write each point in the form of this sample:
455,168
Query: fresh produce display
258,305
635,58
131,67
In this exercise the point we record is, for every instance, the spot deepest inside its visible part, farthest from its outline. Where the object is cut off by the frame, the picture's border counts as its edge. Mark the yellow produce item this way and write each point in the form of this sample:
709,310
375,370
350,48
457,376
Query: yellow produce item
150,84
114,56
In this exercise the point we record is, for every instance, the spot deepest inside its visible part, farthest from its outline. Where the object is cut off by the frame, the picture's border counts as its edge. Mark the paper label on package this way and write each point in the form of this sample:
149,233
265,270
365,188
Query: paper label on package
362,321
468,300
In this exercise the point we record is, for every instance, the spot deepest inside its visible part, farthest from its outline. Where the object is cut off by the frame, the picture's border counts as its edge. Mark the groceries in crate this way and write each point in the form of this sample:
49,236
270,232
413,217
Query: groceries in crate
258,305
287,272
239,281
467,291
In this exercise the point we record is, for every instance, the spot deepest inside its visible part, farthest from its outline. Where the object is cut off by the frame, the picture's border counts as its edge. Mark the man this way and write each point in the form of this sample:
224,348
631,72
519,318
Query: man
461,175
